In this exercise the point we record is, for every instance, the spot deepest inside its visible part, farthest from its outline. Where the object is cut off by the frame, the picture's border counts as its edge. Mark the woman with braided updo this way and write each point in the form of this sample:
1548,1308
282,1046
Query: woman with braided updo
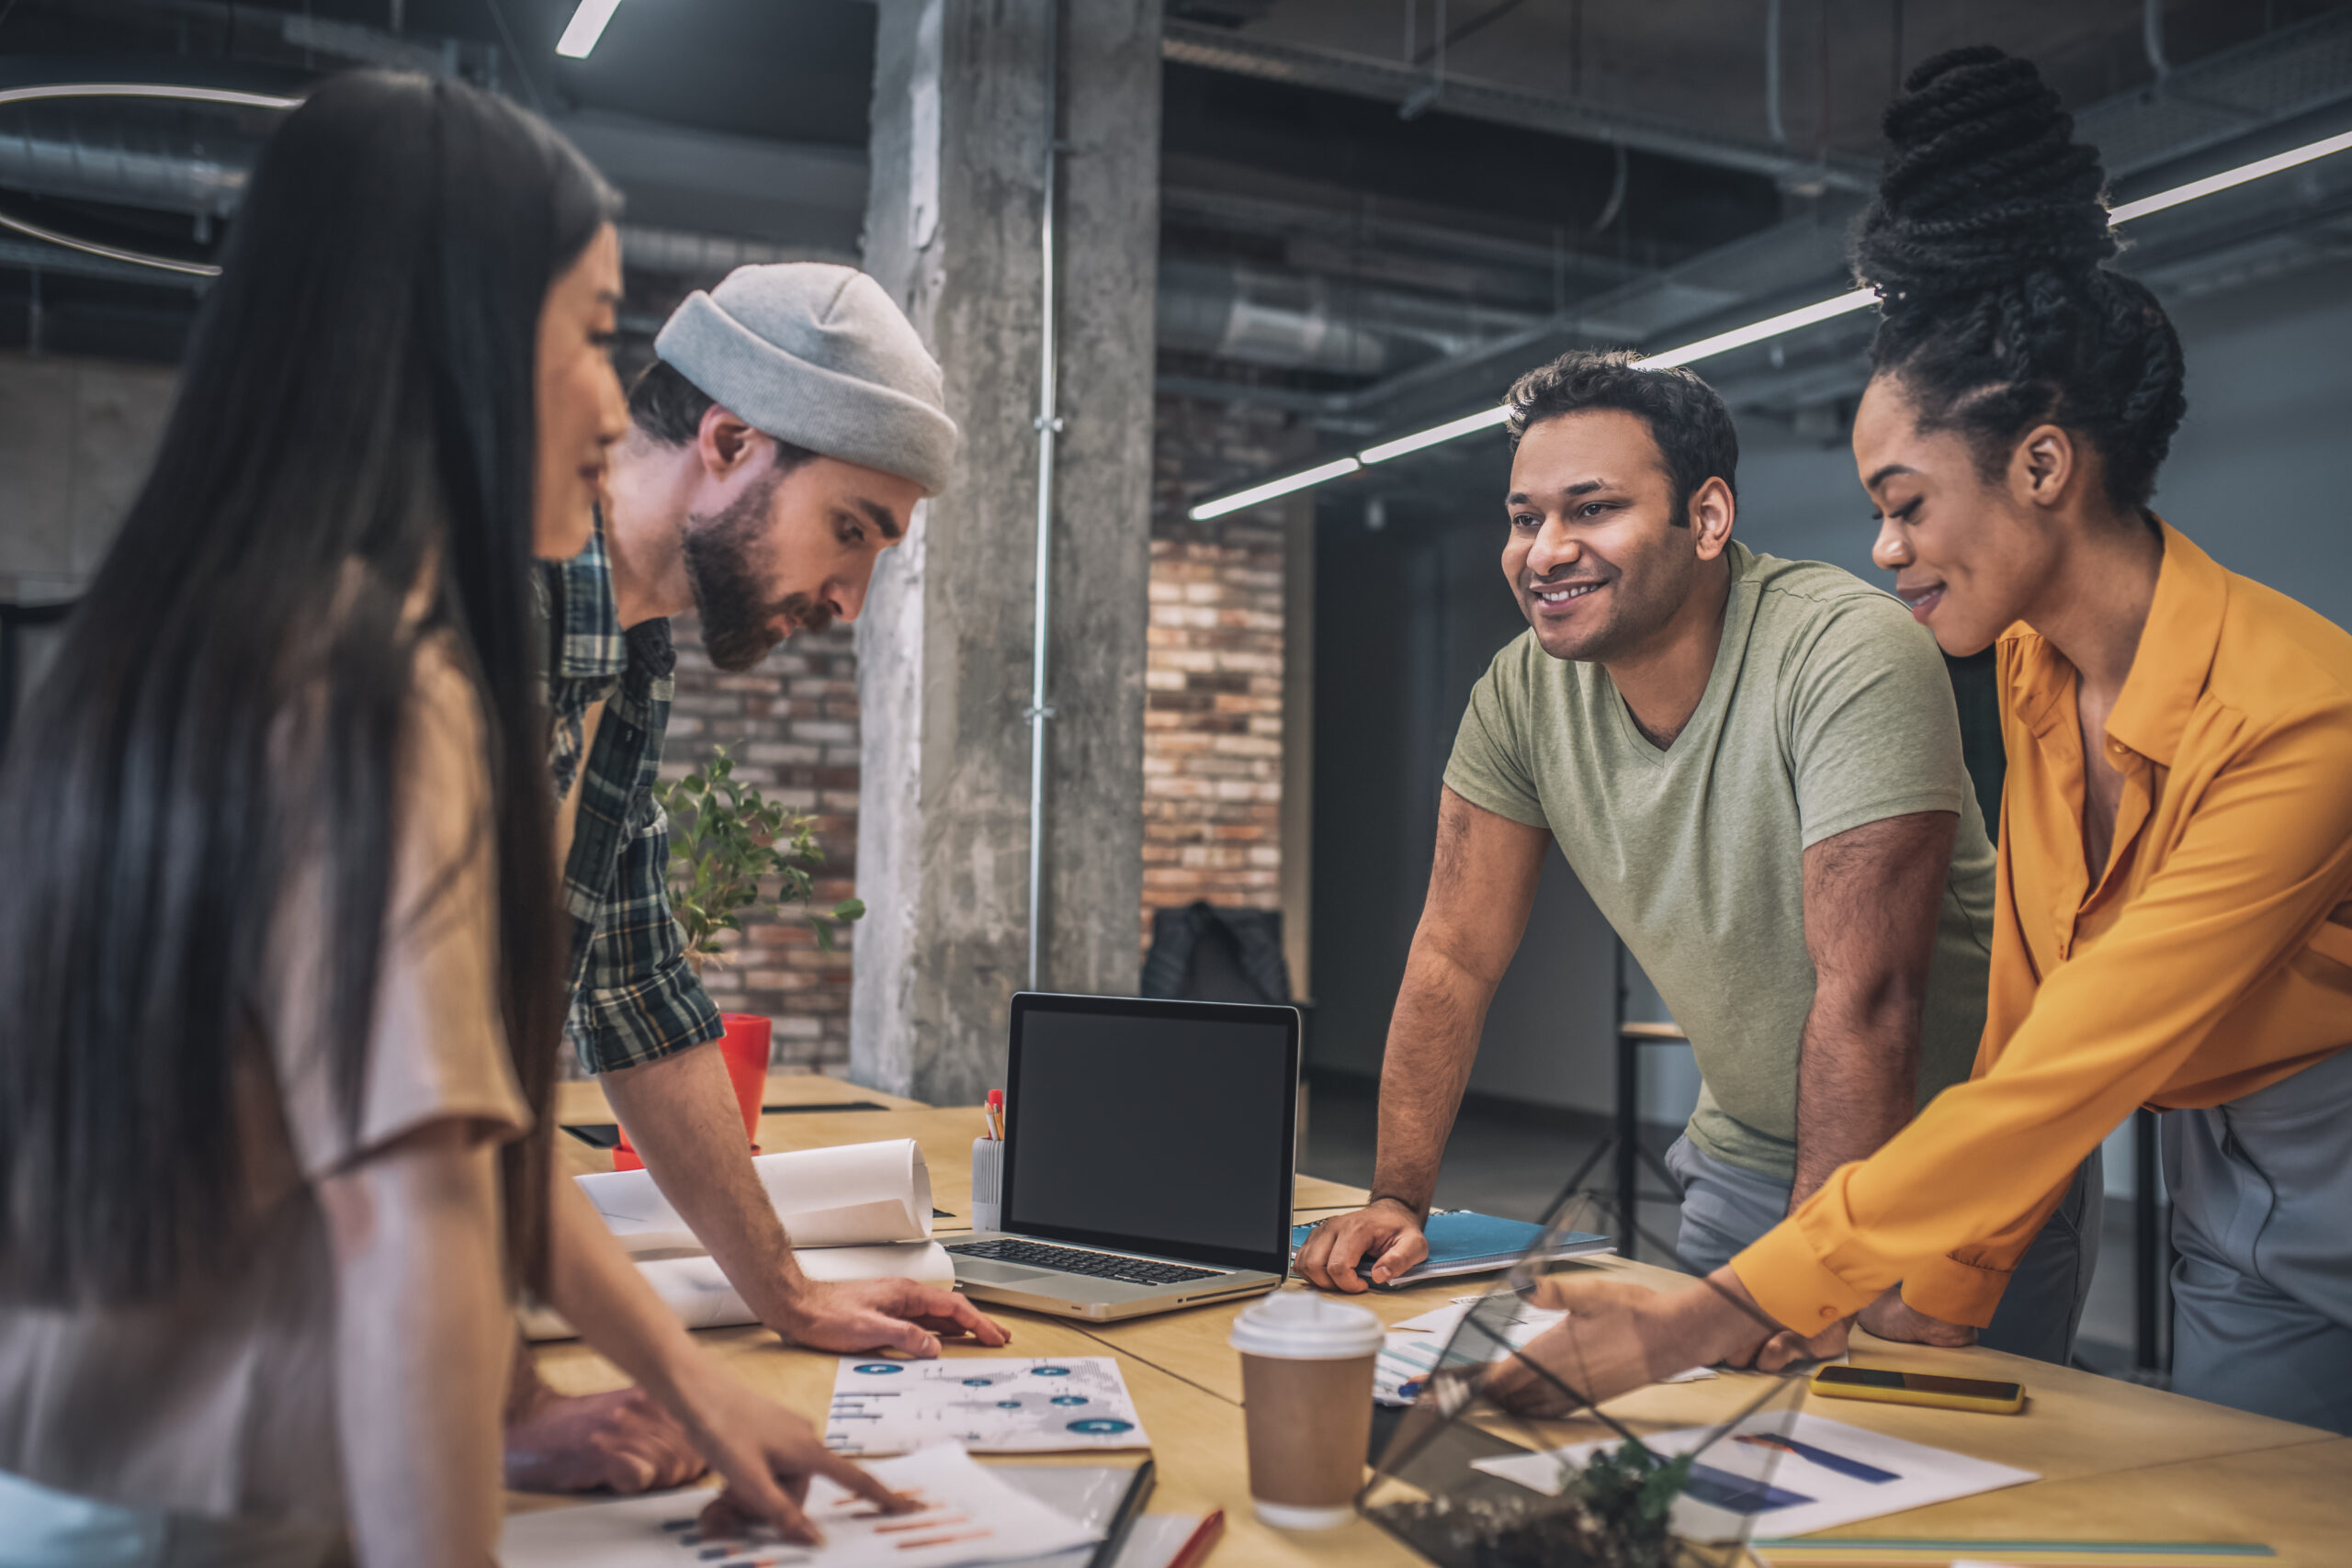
2174,924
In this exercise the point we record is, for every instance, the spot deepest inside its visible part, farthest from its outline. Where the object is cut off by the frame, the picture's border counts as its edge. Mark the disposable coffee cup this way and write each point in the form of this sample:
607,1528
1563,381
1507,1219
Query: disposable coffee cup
1307,1400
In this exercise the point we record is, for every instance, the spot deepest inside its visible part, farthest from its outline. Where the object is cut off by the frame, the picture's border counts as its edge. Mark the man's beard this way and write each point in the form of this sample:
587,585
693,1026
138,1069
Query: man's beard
719,551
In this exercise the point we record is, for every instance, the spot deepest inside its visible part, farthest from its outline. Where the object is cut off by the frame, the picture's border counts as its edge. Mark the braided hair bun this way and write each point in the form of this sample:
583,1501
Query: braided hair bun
1985,247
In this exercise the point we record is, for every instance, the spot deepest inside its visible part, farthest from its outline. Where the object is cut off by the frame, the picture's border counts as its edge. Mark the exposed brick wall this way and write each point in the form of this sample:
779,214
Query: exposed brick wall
1213,720
792,723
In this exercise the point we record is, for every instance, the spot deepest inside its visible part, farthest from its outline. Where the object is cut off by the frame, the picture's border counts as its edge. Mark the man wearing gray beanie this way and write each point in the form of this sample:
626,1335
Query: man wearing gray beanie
778,447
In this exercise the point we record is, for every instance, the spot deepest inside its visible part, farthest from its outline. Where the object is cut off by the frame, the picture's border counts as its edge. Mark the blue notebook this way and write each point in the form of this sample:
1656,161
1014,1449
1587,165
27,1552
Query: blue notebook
1464,1242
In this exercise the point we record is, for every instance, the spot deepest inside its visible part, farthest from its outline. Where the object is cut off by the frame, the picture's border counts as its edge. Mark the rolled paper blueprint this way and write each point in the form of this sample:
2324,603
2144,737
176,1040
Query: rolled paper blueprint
862,1212
857,1195
700,1296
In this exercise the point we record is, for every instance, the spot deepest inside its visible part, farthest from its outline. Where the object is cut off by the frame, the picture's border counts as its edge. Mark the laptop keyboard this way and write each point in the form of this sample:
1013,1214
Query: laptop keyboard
1094,1265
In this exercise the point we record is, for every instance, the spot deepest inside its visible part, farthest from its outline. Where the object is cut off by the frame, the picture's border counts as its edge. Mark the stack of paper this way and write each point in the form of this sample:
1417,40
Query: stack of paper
860,1212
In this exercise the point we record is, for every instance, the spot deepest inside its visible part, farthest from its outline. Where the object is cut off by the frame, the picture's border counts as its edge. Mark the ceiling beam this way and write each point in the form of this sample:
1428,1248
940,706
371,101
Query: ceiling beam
1217,49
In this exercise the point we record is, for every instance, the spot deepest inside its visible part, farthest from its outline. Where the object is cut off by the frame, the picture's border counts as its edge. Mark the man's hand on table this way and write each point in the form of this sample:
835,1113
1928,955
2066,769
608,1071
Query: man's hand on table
1891,1317
1620,1337
621,1442
883,1315
1384,1228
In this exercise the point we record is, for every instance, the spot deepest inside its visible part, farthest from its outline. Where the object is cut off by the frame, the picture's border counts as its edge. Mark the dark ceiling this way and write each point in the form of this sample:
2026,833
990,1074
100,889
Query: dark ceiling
1579,150
791,69
1531,179
1703,61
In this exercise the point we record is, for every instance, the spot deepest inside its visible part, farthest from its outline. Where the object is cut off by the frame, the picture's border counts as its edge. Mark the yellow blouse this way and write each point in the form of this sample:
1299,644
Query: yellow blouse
2212,957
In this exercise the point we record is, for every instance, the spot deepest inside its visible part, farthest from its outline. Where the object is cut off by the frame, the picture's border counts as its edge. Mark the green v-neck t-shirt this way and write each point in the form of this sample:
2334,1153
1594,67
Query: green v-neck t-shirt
1829,707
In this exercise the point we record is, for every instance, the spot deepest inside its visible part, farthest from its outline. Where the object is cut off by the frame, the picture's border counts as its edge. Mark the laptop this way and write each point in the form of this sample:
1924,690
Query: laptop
1148,1157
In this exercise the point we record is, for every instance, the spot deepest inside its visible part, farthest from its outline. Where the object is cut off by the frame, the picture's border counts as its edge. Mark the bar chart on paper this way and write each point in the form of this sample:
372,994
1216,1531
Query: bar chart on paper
965,1515
990,1404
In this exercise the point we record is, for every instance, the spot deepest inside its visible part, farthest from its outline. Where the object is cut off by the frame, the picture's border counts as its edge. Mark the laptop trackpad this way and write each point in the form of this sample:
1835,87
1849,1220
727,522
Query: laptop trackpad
982,1272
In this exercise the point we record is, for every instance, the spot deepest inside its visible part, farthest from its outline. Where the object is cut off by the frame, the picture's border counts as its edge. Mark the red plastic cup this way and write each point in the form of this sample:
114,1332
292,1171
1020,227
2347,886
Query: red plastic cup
748,1044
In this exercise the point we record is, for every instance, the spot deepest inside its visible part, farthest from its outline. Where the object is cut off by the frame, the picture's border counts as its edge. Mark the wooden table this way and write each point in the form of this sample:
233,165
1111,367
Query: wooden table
2119,1461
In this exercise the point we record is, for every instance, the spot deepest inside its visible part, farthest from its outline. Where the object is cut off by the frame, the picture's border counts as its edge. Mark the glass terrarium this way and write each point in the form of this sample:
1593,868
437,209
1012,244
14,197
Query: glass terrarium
1501,1462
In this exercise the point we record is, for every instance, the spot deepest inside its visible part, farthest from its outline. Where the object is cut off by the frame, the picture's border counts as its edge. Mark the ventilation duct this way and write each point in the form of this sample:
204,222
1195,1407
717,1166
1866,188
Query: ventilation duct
1290,321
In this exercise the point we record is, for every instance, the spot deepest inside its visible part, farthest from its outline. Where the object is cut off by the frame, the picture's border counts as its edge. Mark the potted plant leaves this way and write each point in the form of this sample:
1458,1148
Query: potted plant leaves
726,839
728,843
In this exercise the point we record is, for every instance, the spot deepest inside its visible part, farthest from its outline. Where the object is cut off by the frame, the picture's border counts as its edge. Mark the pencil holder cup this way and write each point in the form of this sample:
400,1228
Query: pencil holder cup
987,1177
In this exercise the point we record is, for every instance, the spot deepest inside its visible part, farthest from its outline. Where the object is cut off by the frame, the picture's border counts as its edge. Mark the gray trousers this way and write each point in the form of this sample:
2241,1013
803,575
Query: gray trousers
2262,1238
1725,1208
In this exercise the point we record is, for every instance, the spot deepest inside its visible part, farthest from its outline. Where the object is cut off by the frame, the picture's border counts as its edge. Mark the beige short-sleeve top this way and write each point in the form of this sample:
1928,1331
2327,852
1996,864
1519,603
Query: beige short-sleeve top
221,1401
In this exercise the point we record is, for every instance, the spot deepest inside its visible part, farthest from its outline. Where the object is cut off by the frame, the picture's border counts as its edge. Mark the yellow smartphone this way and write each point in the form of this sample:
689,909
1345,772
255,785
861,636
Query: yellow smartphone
1892,1387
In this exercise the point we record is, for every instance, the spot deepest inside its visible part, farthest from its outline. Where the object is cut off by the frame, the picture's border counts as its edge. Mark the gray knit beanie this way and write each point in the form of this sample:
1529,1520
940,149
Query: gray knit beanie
818,355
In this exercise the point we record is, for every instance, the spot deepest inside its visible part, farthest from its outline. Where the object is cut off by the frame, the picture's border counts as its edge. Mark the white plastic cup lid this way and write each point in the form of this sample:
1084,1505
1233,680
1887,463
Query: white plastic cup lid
1302,1326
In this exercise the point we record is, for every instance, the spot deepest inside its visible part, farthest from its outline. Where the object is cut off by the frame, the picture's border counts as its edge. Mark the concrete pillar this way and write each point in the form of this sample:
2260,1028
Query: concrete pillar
959,129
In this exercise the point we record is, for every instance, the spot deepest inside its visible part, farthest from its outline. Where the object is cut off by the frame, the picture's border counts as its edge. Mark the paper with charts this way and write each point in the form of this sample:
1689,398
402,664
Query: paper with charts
995,1404
967,1515
1782,1473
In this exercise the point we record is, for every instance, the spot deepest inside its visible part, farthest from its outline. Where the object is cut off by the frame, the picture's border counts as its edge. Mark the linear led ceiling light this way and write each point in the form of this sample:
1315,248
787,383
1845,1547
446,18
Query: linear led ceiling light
1738,337
586,26
131,90
1757,331
2245,174
1436,434
1283,486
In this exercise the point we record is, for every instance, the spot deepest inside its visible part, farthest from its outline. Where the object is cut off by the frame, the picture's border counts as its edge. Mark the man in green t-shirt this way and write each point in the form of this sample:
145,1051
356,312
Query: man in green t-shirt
1754,767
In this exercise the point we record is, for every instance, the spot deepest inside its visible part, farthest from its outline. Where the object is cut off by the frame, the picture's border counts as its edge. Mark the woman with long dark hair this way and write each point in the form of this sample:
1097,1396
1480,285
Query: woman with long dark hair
279,966
2173,923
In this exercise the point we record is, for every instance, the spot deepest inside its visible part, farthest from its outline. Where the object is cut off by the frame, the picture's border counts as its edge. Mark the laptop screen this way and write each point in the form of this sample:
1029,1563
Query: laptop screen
1155,1126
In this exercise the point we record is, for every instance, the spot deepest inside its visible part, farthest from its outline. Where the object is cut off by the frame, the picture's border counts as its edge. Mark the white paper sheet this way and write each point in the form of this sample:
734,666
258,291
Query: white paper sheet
1414,1348
1004,1404
856,1195
1784,1473
969,1515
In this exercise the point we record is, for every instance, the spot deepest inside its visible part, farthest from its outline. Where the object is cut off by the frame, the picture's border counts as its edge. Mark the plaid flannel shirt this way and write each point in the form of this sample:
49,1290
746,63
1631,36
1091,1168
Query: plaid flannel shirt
634,999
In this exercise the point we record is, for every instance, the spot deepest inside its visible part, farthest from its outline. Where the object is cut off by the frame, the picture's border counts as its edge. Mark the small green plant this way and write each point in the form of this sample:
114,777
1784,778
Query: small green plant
725,838
1612,1513
1626,1497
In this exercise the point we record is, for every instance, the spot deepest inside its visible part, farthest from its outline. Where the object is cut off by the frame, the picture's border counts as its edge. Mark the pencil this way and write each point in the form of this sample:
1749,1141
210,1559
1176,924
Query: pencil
1196,1545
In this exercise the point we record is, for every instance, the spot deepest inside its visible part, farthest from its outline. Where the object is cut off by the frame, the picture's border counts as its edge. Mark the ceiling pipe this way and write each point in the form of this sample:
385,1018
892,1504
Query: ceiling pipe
1284,321
1049,425
2152,37
1427,98
100,160
1251,316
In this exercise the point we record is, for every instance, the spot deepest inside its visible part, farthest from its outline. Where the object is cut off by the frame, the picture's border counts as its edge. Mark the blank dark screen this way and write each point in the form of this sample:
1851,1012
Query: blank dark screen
1172,1132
